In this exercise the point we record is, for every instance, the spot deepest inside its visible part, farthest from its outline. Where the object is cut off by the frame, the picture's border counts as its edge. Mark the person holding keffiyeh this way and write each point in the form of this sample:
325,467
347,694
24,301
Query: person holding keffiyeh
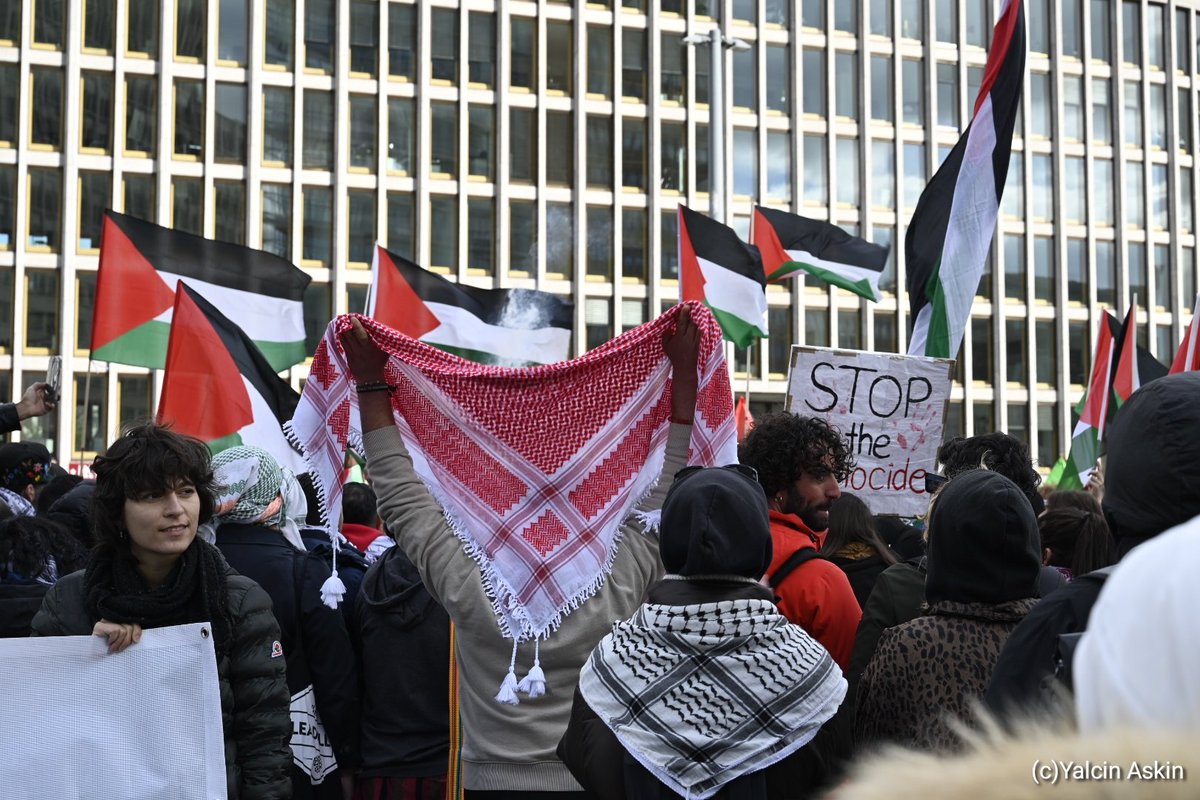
259,505
708,690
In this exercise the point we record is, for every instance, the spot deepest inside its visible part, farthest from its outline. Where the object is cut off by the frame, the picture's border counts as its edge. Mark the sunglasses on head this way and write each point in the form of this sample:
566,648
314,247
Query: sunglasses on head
933,482
742,469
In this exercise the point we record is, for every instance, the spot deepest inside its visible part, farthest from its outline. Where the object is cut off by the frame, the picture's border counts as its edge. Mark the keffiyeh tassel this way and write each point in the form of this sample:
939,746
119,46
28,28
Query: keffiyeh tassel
534,683
333,590
508,687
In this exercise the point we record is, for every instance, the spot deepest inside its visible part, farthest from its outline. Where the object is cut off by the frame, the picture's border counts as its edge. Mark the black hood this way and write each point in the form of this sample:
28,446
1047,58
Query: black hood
715,522
1152,473
983,542
393,587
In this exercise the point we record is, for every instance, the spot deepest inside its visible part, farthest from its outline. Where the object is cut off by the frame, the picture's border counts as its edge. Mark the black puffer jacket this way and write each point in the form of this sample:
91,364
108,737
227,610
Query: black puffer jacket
254,695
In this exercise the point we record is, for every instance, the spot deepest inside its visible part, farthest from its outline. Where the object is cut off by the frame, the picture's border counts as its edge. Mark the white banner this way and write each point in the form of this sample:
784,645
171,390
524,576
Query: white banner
79,721
890,409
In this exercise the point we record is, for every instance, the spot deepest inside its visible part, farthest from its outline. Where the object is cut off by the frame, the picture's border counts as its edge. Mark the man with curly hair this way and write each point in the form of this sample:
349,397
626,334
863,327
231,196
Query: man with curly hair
800,462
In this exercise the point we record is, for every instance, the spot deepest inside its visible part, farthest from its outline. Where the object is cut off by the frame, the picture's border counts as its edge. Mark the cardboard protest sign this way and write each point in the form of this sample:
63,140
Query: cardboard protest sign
890,408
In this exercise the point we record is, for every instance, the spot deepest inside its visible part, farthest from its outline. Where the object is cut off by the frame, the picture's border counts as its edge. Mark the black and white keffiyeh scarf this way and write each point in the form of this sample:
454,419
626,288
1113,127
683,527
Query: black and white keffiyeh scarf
703,694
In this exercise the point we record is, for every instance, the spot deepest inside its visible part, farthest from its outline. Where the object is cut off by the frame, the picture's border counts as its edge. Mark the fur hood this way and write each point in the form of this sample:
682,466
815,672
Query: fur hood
998,767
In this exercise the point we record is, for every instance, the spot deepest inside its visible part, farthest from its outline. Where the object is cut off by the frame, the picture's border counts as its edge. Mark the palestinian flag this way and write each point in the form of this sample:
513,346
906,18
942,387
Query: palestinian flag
1187,359
1135,366
510,327
219,387
140,265
743,420
951,230
726,274
790,243
1093,409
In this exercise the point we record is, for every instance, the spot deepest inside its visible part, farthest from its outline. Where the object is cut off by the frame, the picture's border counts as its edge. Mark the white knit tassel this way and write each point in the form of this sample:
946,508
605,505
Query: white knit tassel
508,687
333,590
534,683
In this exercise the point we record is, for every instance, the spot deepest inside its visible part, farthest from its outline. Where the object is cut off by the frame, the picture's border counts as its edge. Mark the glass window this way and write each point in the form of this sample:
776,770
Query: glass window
401,134
634,236
96,131
947,20
1102,192
95,195
1182,15
444,39
914,173
523,73
1101,111
1014,348
444,140
189,119
1187,278
233,26
139,196
402,40
364,130
674,156
1135,206
318,309
41,313
1039,26
702,145
187,205
847,171
1156,31
745,162
560,139
1072,28
883,174
745,86
1158,196
85,301
141,113
361,230
1014,267
912,19
523,236
231,123
881,18
10,91
812,14
1101,25
318,224
850,329
400,224
482,55
816,171
1044,270
1077,277
600,242
1135,265
779,78
701,64
913,91
1074,188
190,26
847,85
845,17
47,110
633,63
1183,113
560,240
1158,116
98,24
481,143
1106,273
599,152
443,231
816,327
1043,187
135,394
1077,352
318,130
597,314
277,219
1013,202
1187,214
884,326
633,147
599,61
1041,106
743,10
522,144
881,88
779,166
560,64
814,81
1133,113
1162,276
320,26
481,235
947,94
48,23
669,230
1073,108
779,12
277,126
1131,44
280,33
141,35
364,37
229,211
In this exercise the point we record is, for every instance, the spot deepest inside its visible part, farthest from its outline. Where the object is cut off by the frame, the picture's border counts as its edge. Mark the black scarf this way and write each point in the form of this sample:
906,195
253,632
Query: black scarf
195,591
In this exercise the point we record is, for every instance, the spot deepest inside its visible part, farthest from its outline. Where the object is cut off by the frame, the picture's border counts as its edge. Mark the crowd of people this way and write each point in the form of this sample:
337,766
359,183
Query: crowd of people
769,637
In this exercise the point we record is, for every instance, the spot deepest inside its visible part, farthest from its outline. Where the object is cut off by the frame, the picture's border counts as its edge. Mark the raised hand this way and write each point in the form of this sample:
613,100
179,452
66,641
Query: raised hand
365,358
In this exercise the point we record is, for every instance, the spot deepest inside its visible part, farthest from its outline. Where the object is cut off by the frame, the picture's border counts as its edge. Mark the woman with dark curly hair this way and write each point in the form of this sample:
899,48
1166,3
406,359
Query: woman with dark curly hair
800,462
149,570
34,552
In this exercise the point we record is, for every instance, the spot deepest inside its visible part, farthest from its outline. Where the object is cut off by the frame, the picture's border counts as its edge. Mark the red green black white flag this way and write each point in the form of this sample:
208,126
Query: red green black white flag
723,272
790,244
140,266
508,327
1187,358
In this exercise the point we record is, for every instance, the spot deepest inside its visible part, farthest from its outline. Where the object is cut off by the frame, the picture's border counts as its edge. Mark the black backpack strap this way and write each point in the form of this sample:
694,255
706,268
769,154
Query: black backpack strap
797,558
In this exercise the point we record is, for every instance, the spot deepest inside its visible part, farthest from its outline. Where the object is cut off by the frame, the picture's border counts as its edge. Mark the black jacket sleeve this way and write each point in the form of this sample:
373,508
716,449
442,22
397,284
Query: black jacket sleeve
331,665
592,753
9,421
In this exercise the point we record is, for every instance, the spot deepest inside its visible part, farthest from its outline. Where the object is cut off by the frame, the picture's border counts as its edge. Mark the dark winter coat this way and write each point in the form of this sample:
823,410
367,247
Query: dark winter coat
265,556
897,597
351,564
405,640
19,602
254,693
861,572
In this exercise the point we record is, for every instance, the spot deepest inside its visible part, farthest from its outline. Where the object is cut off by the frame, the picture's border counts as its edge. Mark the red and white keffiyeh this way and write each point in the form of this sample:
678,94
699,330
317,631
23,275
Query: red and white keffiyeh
534,467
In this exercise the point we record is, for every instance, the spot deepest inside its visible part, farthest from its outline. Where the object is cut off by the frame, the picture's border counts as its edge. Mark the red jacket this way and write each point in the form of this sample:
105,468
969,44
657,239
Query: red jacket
816,595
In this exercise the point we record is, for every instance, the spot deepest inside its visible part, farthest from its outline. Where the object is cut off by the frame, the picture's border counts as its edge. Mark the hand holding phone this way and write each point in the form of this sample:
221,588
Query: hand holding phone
53,379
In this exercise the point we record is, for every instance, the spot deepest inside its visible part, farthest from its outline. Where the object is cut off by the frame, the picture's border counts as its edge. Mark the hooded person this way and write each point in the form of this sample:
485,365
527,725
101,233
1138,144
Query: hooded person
982,577
259,507
707,685
1152,483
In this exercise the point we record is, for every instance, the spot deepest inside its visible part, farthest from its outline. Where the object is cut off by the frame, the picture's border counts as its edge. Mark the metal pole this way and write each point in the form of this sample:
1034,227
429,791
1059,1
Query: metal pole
716,126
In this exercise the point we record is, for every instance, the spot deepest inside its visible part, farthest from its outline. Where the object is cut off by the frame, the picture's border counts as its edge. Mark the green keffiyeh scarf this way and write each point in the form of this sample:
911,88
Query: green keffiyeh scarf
252,489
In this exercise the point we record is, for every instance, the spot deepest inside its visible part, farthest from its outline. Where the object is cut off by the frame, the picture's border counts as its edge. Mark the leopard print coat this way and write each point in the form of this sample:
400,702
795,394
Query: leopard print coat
931,669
